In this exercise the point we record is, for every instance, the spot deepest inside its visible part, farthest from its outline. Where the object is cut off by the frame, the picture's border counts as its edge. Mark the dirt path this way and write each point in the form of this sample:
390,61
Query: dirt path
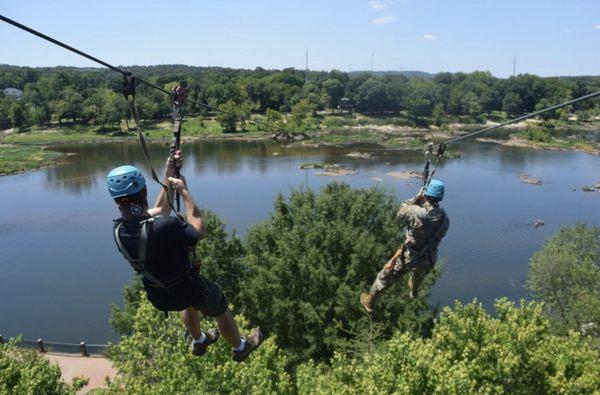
95,368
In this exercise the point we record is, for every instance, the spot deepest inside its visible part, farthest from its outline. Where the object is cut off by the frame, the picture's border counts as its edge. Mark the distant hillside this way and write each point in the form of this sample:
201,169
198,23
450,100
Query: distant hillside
407,73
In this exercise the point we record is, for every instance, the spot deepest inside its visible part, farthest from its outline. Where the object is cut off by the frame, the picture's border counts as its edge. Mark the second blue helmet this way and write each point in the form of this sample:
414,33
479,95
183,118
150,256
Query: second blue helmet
125,181
435,189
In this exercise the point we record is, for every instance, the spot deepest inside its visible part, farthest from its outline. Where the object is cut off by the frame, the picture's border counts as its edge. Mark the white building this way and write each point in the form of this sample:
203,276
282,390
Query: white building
13,92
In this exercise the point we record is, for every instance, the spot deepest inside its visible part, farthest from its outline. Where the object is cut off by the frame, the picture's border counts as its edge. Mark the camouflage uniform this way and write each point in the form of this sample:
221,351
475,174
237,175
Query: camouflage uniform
426,225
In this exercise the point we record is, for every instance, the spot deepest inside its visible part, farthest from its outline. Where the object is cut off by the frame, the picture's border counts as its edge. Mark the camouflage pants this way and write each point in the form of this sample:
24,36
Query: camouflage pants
417,269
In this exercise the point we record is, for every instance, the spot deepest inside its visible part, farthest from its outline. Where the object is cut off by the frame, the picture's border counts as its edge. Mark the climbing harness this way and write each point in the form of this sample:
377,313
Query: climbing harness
139,264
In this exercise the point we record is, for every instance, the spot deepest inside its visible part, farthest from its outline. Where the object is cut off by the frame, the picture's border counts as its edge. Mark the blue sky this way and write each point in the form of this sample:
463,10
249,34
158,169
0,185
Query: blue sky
550,37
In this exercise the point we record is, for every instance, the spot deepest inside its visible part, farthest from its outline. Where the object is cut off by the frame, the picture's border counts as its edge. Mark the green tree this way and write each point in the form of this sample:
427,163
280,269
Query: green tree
334,88
419,96
245,114
310,260
274,120
70,104
228,116
565,275
469,352
512,103
300,112
28,372
155,358
16,115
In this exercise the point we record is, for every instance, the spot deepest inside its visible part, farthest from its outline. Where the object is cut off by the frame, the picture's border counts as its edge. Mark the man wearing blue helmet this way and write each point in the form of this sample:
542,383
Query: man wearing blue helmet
157,246
426,224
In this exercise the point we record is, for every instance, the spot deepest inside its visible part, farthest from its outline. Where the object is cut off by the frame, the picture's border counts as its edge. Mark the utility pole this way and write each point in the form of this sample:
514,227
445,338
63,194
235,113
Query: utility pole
371,61
514,65
306,71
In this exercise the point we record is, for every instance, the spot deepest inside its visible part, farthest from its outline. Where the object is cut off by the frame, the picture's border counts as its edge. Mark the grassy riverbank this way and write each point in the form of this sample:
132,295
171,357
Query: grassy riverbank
399,131
24,158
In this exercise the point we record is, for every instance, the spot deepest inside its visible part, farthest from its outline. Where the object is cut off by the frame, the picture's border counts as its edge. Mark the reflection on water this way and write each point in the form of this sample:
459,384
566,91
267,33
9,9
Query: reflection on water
61,271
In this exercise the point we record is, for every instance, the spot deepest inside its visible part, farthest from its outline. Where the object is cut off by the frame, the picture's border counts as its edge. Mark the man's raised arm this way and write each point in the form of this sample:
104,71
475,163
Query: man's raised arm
194,217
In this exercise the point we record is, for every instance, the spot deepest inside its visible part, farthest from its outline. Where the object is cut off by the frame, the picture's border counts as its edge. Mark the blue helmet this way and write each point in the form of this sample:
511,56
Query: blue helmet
124,181
435,189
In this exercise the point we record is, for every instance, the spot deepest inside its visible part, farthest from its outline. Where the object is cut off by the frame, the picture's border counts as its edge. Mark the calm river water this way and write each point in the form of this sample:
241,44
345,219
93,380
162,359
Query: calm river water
60,270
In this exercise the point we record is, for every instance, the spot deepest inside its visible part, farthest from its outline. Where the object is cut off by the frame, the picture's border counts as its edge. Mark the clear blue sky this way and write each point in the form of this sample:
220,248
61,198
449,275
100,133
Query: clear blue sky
550,37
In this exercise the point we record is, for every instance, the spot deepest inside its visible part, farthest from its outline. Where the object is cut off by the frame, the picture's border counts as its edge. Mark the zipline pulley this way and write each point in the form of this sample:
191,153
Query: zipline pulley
128,85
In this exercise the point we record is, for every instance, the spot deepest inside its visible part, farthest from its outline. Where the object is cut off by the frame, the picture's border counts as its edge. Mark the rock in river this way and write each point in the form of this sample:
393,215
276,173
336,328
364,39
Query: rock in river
527,179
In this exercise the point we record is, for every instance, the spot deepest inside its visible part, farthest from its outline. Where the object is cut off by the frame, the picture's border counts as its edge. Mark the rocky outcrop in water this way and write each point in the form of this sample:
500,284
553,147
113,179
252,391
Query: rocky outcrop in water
527,179
287,138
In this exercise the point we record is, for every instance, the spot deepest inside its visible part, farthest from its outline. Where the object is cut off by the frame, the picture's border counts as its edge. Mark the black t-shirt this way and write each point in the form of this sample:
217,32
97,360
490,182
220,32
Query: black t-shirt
166,251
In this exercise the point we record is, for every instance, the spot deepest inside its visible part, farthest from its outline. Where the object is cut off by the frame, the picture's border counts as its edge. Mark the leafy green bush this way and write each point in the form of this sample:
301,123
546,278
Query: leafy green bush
28,372
156,359
338,122
469,352
565,275
538,134
310,260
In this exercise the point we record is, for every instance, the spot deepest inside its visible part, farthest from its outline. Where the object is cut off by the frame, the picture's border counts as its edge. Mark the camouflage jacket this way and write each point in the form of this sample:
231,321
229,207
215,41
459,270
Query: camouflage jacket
426,226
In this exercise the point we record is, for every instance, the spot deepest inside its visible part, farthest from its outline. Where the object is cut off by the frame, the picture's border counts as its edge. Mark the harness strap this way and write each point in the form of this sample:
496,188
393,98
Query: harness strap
139,264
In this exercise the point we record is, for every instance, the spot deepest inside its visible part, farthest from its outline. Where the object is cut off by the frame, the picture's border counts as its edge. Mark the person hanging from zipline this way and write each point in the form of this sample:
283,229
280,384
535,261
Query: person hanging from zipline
426,225
157,247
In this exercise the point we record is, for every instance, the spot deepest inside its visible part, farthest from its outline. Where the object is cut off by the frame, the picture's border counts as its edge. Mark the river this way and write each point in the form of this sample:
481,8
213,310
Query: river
60,271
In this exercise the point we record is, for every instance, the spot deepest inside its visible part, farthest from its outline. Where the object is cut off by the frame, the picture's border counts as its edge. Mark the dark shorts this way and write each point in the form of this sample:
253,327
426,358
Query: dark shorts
198,292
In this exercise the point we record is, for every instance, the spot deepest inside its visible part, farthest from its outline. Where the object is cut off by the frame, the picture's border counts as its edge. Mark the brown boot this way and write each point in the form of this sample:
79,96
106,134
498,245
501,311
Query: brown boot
253,340
367,301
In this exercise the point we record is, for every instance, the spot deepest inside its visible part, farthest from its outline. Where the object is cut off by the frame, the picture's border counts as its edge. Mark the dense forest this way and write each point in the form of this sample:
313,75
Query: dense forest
92,96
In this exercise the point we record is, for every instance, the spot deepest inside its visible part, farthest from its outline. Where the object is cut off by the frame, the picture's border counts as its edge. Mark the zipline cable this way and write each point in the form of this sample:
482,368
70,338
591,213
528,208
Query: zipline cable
441,147
114,68
524,117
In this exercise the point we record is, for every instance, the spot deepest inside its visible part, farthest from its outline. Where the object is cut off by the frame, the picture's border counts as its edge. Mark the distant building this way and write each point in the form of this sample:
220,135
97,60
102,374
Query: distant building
346,105
13,92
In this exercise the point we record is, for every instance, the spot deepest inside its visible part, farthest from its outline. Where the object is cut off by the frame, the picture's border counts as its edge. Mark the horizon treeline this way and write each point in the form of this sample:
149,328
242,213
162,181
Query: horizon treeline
93,95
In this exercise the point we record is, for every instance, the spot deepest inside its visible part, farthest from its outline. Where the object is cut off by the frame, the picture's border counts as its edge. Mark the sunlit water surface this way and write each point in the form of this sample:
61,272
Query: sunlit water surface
60,271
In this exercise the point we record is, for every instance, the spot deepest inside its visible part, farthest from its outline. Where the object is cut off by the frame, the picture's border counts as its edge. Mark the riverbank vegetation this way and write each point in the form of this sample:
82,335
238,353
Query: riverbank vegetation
15,159
27,372
72,105
92,96
298,274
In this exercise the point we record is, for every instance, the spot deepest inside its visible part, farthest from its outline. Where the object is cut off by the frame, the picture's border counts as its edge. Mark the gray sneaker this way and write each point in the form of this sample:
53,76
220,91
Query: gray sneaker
253,340
212,336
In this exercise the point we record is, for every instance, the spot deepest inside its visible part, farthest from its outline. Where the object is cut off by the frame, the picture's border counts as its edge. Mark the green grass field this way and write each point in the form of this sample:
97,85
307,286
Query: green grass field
18,159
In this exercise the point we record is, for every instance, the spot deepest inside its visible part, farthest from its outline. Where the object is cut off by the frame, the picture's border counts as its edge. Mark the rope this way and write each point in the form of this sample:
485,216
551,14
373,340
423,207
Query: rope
114,68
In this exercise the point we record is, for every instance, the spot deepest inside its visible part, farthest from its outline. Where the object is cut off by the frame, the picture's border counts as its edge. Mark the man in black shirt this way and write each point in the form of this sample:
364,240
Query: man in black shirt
157,247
